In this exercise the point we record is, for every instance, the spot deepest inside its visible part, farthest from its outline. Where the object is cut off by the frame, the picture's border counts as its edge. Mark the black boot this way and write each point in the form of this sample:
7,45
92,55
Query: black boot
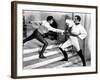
42,51
65,55
41,56
82,57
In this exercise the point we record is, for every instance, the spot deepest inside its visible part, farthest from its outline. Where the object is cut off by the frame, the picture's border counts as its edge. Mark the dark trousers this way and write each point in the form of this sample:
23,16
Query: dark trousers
37,35
82,57
51,35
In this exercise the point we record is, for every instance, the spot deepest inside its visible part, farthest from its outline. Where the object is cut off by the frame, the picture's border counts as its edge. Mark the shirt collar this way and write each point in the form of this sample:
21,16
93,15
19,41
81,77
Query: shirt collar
77,23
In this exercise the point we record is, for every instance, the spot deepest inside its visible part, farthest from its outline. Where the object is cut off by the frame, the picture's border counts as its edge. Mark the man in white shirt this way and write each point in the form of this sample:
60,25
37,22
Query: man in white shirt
76,30
41,32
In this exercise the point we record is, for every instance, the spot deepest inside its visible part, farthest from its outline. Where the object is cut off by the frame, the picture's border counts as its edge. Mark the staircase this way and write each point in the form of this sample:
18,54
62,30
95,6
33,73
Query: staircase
53,55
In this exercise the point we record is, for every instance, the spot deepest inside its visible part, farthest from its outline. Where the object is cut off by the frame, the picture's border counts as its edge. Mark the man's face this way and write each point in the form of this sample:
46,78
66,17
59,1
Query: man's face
50,21
75,20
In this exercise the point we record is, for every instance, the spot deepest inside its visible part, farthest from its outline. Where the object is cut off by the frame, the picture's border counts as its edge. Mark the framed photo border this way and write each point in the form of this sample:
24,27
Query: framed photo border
14,38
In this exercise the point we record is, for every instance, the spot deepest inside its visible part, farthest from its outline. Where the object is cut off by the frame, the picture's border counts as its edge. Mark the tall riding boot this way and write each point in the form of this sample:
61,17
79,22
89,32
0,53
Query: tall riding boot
41,55
65,55
42,51
82,57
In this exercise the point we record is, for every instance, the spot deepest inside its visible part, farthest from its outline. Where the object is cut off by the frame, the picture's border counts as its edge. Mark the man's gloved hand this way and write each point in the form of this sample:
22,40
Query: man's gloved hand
67,33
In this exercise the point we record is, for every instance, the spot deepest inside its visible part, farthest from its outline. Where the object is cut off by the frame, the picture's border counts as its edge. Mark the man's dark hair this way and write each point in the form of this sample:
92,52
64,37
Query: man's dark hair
54,24
49,18
78,17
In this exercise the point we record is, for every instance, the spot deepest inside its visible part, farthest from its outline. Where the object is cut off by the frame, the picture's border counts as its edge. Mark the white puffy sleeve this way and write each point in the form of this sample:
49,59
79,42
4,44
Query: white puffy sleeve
83,32
47,25
69,22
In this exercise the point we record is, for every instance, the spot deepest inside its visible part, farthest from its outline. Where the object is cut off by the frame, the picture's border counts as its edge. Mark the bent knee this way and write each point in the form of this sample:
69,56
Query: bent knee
46,43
